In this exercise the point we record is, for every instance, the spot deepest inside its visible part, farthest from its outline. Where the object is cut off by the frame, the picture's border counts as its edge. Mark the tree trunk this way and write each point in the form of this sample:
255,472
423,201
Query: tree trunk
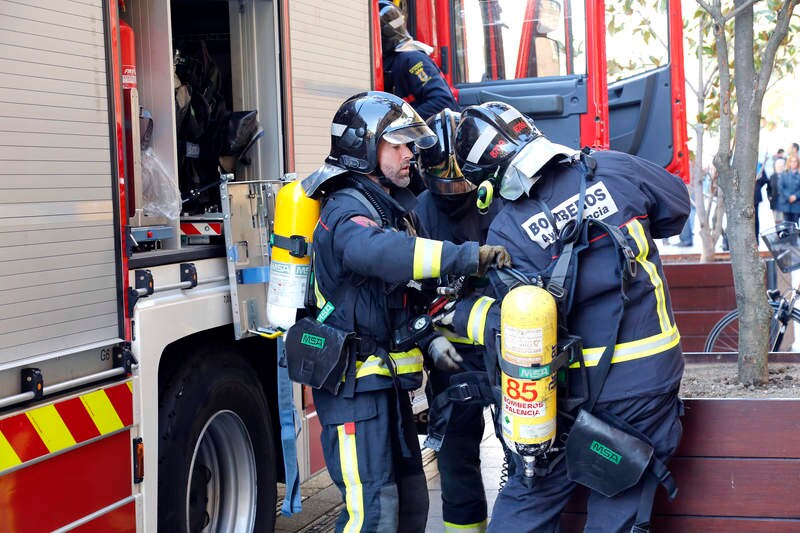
737,179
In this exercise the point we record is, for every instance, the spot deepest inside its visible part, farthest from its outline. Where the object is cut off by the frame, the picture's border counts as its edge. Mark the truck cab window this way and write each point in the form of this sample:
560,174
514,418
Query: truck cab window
637,38
513,39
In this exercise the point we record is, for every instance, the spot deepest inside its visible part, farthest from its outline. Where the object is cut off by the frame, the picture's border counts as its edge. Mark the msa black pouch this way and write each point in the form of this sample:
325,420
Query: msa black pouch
605,458
318,355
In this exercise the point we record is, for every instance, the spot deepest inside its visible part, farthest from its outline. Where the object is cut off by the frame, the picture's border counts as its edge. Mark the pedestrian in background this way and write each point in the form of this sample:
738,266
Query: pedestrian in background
789,190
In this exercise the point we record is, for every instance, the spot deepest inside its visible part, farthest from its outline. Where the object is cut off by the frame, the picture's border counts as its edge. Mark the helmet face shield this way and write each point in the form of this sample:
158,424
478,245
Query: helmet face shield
522,172
419,134
438,166
408,127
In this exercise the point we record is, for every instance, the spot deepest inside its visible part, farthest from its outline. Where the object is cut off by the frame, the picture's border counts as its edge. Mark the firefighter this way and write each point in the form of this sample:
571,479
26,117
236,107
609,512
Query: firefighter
362,262
446,211
498,148
411,74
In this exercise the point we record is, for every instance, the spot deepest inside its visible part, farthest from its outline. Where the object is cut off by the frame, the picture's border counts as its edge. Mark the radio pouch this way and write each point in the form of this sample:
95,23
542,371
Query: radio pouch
604,457
319,355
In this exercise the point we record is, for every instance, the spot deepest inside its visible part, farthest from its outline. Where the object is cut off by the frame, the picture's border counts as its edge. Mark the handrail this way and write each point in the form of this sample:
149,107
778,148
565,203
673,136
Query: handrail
59,387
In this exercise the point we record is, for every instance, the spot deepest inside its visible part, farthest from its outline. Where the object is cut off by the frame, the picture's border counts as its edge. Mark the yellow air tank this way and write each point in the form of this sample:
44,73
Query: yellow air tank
529,332
296,215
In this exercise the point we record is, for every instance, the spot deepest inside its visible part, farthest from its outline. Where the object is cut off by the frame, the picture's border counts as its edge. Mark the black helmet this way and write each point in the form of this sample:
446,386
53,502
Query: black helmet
495,142
438,166
393,26
361,122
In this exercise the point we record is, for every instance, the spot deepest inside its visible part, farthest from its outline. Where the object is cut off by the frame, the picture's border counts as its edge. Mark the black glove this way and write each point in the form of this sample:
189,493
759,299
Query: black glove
496,256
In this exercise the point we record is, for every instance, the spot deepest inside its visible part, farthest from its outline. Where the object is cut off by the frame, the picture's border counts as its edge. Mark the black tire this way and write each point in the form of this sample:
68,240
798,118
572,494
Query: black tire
724,336
216,459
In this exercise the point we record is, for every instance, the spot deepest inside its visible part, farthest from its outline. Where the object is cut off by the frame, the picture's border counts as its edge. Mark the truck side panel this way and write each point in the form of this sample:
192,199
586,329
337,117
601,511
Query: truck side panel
58,256
82,442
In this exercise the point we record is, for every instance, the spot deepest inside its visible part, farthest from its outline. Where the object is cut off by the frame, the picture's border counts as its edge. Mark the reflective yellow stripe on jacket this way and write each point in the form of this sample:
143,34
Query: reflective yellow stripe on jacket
408,362
452,337
655,344
638,349
427,258
636,231
476,323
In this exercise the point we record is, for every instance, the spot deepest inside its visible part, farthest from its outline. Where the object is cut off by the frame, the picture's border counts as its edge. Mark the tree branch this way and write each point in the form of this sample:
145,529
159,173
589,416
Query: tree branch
775,38
736,11
710,81
716,14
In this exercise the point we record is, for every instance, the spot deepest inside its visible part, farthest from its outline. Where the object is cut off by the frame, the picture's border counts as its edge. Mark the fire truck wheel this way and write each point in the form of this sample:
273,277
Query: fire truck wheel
216,462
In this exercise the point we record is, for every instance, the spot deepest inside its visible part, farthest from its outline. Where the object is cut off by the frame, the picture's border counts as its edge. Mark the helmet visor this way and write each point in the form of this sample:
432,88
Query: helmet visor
409,127
446,179
419,134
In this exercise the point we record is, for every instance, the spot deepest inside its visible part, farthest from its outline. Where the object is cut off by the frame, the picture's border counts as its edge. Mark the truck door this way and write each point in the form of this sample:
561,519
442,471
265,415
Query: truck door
588,72
530,54
646,80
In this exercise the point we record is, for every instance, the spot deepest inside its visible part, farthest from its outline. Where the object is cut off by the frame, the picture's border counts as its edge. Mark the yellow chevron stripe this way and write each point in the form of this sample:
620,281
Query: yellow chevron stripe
130,386
8,457
102,411
51,428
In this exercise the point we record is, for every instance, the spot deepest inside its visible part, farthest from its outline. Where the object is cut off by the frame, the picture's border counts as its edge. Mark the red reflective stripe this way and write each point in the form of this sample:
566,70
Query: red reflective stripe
77,420
350,428
68,486
189,229
122,400
23,438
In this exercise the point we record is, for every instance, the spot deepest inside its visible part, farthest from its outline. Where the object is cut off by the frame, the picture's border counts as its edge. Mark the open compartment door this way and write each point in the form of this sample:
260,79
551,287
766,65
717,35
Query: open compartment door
247,209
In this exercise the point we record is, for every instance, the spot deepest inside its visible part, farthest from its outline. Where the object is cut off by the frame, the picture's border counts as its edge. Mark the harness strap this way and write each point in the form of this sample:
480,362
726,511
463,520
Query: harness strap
657,474
290,429
471,387
364,200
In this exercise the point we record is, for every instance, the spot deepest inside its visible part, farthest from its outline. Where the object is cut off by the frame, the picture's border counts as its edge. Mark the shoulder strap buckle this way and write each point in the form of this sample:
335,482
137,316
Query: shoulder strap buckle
631,258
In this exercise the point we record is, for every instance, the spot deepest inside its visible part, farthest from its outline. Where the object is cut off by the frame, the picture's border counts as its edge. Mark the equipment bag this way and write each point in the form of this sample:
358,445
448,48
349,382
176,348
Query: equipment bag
319,355
603,457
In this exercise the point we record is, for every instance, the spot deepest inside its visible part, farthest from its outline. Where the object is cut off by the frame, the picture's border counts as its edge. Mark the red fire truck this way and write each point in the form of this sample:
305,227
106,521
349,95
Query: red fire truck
136,389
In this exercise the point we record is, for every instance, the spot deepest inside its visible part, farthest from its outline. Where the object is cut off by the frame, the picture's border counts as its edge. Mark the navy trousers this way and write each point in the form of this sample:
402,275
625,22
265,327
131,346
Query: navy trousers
383,491
519,509
459,461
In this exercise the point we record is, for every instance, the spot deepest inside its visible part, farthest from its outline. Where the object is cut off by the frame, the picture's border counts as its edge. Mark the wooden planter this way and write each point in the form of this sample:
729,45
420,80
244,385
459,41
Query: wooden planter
737,469
701,294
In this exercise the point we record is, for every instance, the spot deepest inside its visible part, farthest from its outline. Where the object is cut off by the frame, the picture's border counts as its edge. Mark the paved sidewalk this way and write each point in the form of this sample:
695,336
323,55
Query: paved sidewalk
322,500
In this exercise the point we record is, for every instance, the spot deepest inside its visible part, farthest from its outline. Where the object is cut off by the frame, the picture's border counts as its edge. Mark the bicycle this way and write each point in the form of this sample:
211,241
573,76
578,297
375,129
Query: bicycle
783,243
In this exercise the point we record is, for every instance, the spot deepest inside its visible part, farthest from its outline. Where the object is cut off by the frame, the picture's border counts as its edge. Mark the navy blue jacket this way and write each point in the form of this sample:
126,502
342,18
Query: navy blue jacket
788,184
418,81
646,203
458,221
363,267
